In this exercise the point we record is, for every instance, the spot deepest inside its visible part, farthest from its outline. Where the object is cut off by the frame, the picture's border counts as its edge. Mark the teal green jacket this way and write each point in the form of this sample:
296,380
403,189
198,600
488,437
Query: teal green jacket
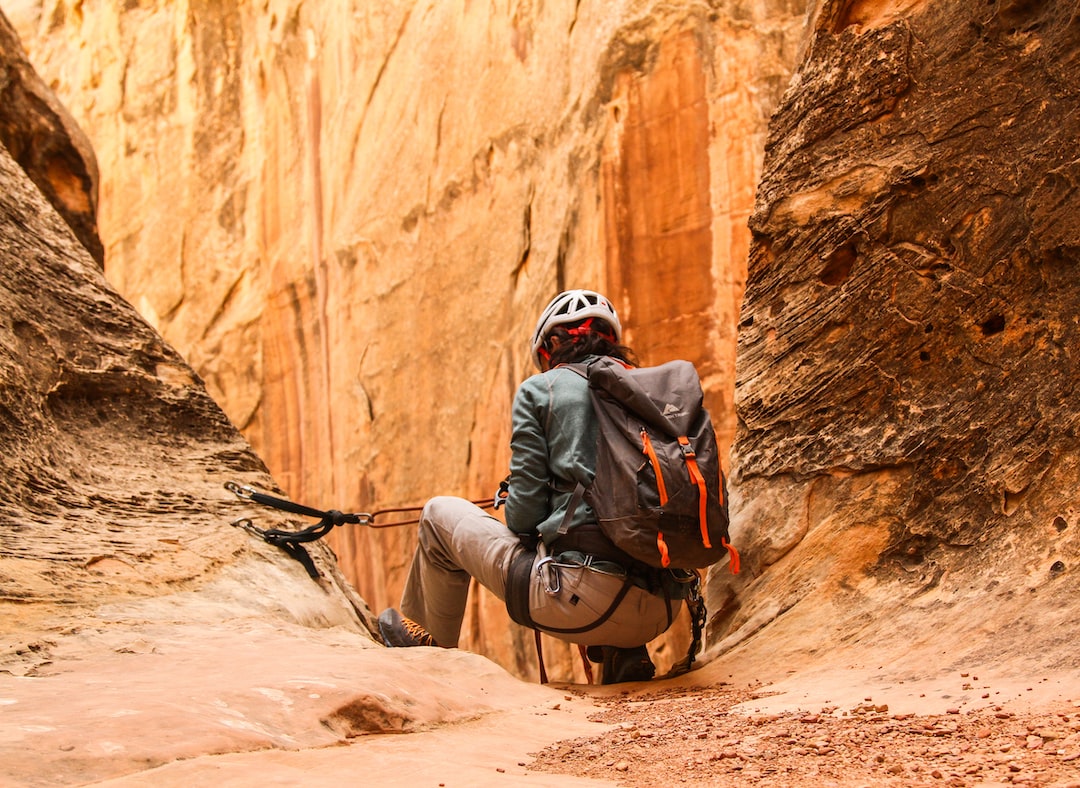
553,447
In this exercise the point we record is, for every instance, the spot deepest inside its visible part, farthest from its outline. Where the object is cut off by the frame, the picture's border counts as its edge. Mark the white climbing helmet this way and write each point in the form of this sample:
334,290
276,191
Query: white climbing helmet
572,306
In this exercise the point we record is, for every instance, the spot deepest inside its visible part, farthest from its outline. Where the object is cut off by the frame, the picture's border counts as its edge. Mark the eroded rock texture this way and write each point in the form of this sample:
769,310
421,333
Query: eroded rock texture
114,455
907,451
347,217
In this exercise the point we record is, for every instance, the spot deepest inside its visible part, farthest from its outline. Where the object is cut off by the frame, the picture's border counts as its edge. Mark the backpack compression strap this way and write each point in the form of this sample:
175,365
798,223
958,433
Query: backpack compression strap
695,476
698,479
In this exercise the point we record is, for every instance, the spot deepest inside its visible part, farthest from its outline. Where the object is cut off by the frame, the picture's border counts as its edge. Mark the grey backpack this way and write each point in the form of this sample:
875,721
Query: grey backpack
659,492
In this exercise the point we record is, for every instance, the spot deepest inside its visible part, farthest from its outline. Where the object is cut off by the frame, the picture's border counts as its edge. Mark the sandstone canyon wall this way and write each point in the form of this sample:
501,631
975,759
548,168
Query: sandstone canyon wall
48,144
907,452
346,216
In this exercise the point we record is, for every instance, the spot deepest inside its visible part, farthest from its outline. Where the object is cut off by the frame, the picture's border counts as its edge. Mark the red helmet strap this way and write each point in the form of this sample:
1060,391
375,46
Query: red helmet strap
586,328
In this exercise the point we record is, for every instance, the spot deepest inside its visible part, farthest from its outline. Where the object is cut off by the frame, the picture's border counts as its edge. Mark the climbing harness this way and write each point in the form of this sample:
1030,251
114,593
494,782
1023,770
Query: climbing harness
292,542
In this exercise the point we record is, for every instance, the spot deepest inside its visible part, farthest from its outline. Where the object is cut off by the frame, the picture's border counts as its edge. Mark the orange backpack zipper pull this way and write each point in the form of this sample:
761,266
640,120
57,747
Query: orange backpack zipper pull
650,452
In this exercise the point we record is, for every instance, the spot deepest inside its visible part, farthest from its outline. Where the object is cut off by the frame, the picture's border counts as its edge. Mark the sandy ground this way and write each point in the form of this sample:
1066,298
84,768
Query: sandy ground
494,750
833,729
972,732
157,705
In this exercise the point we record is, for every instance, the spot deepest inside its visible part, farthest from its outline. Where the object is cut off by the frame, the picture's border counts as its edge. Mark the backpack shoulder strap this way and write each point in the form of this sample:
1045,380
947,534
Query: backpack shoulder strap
578,367
578,493
575,501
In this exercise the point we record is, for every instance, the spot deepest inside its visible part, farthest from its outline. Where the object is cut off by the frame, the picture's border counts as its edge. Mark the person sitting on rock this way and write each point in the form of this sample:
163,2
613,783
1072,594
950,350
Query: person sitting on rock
574,586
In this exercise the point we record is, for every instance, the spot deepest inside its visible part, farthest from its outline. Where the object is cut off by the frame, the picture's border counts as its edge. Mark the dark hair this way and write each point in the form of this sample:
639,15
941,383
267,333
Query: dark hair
598,341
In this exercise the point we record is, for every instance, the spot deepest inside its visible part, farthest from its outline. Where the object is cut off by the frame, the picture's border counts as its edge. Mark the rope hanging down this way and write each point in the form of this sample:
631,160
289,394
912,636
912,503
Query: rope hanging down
292,542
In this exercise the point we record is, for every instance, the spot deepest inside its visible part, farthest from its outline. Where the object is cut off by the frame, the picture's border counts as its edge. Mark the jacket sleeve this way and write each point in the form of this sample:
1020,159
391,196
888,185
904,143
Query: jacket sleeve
529,500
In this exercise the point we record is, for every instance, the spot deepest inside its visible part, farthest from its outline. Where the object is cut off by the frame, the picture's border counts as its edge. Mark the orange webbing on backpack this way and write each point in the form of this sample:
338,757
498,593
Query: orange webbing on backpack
699,480
661,545
733,556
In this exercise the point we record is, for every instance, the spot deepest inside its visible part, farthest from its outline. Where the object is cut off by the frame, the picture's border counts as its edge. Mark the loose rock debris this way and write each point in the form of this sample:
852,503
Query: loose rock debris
695,738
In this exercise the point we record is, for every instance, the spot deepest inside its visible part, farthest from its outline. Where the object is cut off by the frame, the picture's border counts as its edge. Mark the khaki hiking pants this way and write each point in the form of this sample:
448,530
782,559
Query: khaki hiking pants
458,541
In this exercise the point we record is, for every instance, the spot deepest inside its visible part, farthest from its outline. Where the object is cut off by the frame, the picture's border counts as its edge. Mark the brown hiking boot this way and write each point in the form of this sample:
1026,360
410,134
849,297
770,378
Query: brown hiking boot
626,664
400,632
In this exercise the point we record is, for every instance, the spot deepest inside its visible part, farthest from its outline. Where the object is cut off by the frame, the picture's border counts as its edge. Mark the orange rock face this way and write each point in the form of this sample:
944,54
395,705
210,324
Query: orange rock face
348,221
658,208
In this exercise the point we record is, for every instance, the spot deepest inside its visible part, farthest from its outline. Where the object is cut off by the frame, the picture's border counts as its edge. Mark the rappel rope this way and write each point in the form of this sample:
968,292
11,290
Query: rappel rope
292,542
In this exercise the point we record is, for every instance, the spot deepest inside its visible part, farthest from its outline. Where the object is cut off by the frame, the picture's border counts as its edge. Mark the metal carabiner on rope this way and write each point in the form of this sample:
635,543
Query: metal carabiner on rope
245,524
240,491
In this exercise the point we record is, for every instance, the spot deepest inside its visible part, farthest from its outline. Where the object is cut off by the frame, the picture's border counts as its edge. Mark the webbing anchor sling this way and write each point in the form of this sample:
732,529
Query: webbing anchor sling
292,542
